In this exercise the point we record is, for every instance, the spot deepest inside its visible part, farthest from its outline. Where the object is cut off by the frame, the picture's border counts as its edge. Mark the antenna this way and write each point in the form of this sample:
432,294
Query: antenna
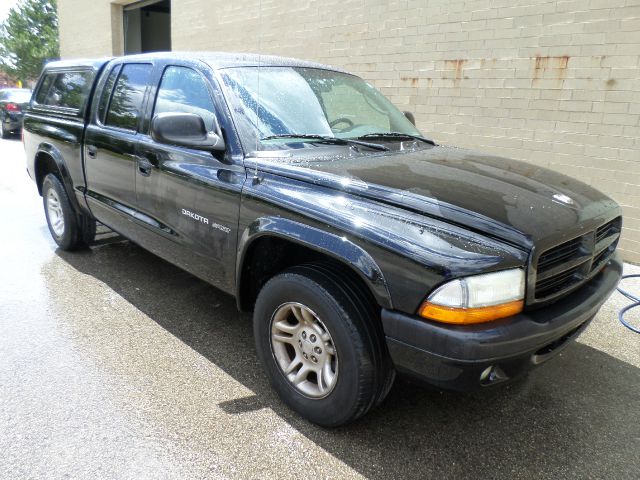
255,175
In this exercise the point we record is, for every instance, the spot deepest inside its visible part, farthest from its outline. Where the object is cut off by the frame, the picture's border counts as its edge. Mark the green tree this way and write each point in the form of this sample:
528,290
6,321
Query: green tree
28,38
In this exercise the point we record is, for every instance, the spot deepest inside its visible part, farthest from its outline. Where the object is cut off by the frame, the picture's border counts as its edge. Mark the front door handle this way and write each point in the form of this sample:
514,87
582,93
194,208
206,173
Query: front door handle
144,166
92,151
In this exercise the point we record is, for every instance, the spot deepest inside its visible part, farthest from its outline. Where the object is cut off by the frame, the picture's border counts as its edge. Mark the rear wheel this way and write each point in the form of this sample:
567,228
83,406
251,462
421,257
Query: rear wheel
320,348
69,229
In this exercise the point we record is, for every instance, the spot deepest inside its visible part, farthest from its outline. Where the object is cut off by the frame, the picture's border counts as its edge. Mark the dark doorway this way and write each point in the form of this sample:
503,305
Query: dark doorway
147,27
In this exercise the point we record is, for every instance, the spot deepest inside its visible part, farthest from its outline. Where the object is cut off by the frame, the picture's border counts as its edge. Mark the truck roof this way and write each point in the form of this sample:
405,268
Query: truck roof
216,60
95,63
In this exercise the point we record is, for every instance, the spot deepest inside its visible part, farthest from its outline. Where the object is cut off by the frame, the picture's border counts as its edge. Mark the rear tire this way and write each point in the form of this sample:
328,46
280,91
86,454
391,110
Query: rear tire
69,229
313,299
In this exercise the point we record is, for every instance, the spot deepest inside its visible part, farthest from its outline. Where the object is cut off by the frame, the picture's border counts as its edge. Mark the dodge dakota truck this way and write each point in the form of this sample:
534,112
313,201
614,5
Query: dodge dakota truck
363,248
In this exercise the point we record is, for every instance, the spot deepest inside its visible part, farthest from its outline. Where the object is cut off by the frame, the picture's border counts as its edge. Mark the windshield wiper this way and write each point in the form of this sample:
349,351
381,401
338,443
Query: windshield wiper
323,138
397,135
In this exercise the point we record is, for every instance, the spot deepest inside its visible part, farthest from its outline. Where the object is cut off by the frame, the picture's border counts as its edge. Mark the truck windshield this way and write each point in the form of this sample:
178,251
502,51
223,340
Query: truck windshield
285,107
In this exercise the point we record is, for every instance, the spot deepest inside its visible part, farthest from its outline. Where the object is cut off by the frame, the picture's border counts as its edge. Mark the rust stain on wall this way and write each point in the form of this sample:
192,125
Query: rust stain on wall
540,67
412,80
457,66
550,67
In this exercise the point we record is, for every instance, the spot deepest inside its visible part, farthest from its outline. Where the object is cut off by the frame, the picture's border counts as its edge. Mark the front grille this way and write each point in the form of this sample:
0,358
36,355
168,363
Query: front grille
559,254
557,283
608,229
600,258
564,267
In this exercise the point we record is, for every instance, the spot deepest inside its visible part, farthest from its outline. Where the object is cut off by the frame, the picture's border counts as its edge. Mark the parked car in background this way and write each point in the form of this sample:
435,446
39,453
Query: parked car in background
12,104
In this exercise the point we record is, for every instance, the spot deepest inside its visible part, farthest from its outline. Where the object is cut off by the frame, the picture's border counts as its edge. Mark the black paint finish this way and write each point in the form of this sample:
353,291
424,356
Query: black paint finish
454,357
404,221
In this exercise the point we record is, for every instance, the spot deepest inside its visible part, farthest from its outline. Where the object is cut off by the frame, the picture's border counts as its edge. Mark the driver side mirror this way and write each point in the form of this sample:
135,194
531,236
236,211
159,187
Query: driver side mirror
185,130
410,117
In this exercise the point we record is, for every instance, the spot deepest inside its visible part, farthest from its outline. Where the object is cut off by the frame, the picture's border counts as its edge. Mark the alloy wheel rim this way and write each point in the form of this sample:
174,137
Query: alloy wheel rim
304,350
54,212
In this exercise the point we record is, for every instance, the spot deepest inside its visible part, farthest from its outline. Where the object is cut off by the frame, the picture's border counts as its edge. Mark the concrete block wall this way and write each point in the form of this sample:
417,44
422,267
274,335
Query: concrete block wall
554,83
90,29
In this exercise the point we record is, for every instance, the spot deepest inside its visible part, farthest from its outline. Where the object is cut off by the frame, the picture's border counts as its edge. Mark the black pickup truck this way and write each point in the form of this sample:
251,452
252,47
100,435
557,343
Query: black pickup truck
362,247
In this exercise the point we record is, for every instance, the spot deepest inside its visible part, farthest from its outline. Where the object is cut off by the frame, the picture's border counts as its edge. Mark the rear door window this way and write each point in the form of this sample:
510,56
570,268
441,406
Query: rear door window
106,93
45,85
125,107
67,90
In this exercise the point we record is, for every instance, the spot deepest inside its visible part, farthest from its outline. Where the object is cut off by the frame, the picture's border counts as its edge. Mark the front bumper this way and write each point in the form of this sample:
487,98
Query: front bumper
465,357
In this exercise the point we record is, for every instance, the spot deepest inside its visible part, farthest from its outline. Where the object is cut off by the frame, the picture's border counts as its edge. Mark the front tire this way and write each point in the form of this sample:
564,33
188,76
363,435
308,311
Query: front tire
69,229
319,347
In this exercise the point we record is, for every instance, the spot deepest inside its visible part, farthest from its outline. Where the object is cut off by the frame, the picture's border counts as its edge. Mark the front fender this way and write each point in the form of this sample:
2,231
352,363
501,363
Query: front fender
335,246
414,252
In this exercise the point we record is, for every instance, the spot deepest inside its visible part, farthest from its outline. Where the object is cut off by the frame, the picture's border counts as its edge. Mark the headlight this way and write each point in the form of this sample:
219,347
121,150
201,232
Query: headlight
476,299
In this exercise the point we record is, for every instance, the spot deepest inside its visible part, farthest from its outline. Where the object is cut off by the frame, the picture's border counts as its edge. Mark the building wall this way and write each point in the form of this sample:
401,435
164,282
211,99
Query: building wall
90,28
554,83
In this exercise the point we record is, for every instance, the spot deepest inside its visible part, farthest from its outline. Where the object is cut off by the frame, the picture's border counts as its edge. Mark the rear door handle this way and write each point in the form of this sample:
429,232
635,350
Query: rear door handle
92,151
145,166
152,158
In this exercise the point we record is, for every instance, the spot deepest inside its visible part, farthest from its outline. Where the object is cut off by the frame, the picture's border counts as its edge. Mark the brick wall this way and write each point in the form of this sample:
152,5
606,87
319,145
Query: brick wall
555,83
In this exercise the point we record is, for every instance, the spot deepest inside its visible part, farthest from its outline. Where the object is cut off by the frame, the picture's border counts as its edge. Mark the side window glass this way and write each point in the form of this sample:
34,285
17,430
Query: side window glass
106,93
69,90
184,90
126,101
44,88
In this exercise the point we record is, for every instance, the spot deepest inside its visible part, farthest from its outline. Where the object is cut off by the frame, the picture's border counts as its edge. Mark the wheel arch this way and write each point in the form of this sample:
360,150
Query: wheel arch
49,160
302,244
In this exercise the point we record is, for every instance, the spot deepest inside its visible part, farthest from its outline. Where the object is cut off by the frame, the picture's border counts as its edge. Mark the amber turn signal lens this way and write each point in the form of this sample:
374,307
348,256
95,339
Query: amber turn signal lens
467,316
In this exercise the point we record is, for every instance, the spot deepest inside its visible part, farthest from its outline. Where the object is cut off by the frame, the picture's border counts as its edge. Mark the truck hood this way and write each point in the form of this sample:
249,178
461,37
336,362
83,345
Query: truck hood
516,201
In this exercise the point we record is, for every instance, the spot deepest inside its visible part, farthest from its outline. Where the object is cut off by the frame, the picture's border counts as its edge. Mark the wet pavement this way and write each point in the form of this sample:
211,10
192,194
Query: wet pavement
115,364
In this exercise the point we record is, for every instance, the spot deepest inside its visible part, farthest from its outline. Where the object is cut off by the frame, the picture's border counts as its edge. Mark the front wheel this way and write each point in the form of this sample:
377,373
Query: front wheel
319,346
70,230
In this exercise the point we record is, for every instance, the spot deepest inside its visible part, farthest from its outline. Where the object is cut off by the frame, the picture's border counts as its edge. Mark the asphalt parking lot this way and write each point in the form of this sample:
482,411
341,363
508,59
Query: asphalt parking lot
115,364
